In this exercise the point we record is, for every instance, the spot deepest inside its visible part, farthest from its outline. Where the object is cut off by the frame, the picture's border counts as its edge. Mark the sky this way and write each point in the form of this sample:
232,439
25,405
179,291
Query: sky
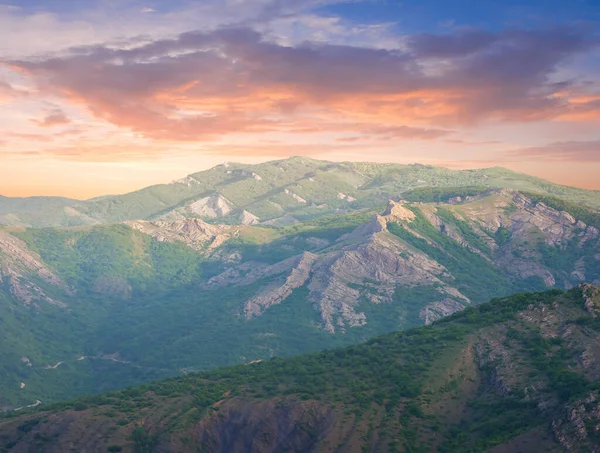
107,96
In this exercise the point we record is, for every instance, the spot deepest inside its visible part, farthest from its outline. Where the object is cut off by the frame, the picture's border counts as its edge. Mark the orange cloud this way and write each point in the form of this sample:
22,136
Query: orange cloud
202,86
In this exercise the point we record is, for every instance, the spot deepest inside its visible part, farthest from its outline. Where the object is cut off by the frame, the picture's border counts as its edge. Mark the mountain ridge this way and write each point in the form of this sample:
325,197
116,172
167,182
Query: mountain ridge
289,190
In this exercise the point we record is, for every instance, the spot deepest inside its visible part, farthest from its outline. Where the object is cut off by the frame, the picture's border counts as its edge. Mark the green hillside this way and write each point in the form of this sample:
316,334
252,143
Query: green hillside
289,190
508,375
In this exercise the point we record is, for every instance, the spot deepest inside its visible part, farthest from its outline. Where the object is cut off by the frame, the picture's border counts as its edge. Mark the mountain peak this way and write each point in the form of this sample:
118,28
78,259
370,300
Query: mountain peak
396,212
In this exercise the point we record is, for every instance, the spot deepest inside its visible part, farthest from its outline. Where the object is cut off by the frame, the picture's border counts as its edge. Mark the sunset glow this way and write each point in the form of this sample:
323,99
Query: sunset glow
101,97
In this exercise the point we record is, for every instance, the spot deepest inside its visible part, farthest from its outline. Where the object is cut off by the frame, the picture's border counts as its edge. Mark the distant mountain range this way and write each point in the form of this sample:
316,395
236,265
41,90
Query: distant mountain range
274,193
518,374
98,307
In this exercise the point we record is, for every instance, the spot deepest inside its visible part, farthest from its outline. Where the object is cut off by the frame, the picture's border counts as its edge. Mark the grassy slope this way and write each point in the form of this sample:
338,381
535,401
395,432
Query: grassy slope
419,390
319,182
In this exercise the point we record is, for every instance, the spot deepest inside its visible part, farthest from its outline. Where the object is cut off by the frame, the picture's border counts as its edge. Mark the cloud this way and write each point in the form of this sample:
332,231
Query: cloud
406,132
113,22
203,85
452,45
9,92
6,92
571,151
53,118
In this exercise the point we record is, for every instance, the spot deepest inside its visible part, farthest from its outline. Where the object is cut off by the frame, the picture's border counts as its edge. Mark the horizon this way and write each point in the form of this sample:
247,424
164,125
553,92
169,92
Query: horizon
165,182
103,96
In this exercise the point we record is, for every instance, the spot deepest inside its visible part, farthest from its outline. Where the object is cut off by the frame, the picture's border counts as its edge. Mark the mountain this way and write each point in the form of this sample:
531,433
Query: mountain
12,210
517,374
279,193
95,308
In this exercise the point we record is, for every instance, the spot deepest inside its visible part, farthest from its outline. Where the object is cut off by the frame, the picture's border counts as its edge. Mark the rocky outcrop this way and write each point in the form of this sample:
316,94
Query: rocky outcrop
526,224
591,298
396,212
523,216
247,218
18,264
188,181
297,277
348,198
437,310
368,264
578,421
213,206
196,233
372,270
244,174
295,196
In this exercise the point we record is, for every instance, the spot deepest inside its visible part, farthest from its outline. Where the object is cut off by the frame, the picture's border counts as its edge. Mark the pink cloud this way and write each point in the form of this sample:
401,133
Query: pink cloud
52,119
201,86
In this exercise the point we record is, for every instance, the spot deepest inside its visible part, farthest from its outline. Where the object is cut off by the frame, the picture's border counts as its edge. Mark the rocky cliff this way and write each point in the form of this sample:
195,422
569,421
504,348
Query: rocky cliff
21,269
520,240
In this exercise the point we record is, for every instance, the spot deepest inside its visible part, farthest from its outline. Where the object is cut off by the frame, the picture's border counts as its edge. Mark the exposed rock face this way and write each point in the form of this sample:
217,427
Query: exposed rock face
369,264
378,267
247,218
297,277
437,310
296,197
196,233
213,206
244,174
396,212
187,181
591,296
491,351
17,264
343,196
527,223
578,418
522,216
370,258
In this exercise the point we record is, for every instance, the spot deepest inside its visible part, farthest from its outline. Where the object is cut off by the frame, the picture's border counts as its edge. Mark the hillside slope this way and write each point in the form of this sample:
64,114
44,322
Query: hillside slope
89,309
279,193
517,374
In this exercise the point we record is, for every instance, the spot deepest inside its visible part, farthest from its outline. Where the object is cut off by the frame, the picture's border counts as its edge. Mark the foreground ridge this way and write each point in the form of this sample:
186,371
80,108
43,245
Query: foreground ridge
522,372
